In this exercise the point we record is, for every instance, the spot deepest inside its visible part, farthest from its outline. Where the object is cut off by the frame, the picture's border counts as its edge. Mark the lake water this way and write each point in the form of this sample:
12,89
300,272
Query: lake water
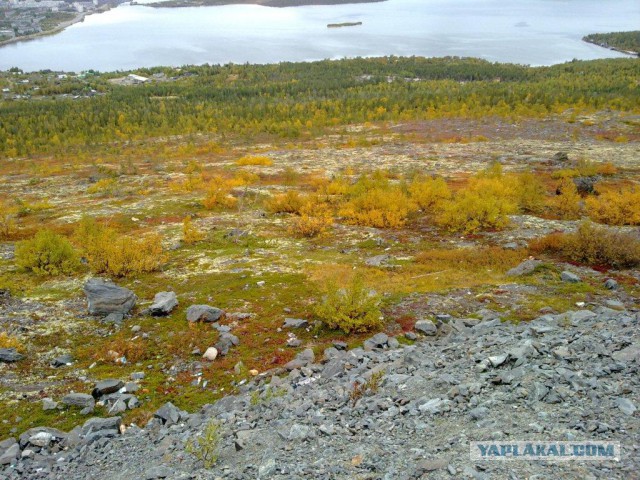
535,32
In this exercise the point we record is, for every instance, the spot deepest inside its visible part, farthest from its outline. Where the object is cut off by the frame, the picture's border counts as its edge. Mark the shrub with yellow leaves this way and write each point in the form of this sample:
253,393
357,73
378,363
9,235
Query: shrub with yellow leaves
485,203
315,220
288,202
47,254
254,160
612,207
118,255
429,193
8,225
567,202
190,234
219,194
379,207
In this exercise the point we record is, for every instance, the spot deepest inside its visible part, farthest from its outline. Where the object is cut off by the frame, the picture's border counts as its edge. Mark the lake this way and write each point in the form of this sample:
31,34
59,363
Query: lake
534,32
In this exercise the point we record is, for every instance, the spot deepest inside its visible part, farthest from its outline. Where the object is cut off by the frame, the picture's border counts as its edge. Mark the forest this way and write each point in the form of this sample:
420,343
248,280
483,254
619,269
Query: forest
290,100
624,41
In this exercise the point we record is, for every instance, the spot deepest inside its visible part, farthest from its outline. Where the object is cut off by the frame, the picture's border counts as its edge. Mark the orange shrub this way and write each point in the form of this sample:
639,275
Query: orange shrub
592,245
470,259
607,169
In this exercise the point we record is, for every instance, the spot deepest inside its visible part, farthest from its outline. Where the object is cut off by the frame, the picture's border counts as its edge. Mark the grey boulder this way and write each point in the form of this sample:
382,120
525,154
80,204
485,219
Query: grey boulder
10,454
303,359
169,414
163,303
105,297
569,277
204,313
525,268
295,323
62,361
225,342
81,400
10,355
426,327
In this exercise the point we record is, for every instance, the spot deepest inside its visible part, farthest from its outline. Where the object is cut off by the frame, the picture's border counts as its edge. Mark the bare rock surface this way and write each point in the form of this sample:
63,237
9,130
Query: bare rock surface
565,377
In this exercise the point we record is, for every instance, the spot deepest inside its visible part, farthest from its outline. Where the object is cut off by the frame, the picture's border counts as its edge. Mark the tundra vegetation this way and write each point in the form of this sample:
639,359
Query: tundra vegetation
354,194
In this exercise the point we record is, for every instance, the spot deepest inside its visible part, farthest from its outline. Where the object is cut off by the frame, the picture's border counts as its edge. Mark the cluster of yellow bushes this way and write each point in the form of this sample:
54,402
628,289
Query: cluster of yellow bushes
105,250
483,203
375,200
314,217
118,255
220,190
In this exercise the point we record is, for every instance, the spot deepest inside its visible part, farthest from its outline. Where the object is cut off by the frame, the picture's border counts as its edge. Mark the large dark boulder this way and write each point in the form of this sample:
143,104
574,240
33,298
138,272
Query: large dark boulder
105,297
107,386
585,185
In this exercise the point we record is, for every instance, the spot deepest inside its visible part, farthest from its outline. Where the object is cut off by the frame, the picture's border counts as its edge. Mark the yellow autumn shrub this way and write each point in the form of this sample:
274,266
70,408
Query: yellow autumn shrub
255,160
219,194
118,255
354,308
315,220
104,186
8,224
567,203
484,204
380,208
612,207
529,192
429,193
47,254
10,341
190,233
288,202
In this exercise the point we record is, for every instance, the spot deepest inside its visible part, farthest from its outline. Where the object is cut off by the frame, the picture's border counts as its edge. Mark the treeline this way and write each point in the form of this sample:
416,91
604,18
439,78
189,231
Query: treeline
292,99
625,41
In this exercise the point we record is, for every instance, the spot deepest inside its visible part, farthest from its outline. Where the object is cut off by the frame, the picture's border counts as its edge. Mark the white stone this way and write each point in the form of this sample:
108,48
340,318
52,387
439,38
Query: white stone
210,354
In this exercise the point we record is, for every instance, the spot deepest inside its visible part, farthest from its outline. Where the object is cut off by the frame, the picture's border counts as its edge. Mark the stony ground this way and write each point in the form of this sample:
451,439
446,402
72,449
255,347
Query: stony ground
565,377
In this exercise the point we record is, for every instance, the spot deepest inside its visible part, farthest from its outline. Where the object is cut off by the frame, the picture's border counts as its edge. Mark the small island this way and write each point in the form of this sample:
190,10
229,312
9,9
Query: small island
345,24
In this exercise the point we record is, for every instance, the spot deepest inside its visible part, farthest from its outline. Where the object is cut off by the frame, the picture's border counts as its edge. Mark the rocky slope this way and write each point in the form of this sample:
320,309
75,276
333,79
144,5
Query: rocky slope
388,410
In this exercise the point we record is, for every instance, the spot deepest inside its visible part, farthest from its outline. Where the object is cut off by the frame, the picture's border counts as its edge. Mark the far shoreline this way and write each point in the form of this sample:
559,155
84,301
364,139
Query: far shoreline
182,4
609,47
57,29
262,3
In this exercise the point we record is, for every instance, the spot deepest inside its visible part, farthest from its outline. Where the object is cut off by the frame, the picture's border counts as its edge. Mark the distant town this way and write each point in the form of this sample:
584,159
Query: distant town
20,19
